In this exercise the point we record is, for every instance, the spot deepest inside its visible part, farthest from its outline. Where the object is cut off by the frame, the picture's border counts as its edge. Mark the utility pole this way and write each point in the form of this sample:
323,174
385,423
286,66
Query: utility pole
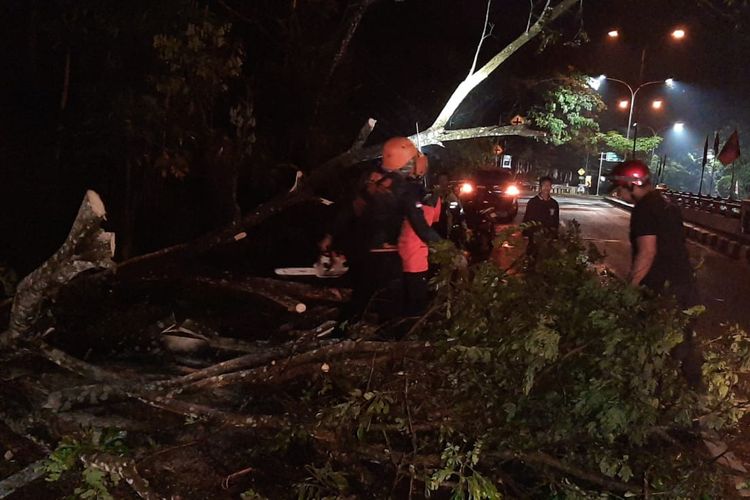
599,179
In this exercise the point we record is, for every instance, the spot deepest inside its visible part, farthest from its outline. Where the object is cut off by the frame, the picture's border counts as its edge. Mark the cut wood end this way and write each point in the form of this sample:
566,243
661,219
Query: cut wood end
300,308
108,238
96,203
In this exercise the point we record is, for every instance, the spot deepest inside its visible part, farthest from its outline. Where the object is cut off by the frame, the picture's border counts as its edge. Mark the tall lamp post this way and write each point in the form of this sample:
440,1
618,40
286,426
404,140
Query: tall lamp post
669,82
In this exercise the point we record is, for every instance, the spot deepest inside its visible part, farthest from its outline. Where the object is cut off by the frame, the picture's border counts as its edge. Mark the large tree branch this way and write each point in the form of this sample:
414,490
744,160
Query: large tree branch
474,79
269,373
481,39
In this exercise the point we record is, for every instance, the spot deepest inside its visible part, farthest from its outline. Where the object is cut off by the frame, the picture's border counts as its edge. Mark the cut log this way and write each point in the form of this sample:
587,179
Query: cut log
86,248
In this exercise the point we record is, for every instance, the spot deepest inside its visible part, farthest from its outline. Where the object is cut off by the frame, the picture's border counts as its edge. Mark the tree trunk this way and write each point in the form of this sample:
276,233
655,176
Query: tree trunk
87,247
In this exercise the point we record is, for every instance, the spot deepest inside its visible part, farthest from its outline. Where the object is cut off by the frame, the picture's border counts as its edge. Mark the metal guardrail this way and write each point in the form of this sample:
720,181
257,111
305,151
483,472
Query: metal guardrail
720,206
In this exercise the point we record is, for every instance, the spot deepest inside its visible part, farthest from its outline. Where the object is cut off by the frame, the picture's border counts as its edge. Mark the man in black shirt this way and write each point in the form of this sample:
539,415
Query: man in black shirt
544,211
660,258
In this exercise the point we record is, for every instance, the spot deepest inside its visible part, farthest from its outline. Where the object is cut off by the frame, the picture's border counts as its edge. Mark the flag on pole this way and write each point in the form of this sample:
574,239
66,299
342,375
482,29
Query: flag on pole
731,150
703,167
716,144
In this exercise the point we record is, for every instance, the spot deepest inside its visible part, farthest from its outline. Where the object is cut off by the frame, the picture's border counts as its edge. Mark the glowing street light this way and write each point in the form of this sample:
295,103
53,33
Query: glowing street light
613,33
657,104
678,127
595,83
678,34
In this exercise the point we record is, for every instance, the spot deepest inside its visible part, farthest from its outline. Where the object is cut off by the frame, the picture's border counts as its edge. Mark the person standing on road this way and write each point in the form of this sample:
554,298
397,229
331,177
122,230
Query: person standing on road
544,211
660,260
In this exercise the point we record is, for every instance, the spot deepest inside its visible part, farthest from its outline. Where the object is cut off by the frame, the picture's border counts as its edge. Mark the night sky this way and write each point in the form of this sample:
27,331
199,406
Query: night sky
709,63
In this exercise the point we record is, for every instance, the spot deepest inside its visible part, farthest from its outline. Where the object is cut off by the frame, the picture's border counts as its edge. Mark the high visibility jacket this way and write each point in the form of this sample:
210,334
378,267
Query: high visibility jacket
411,248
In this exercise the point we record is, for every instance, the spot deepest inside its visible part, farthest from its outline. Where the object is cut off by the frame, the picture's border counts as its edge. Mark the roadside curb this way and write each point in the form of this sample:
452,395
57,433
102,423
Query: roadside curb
722,244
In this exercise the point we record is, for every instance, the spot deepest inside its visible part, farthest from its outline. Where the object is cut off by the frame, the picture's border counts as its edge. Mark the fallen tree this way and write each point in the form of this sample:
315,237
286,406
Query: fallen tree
545,378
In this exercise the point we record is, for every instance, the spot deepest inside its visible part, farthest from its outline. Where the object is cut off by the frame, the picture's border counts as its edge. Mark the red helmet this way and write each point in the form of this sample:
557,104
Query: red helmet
630,173
400,154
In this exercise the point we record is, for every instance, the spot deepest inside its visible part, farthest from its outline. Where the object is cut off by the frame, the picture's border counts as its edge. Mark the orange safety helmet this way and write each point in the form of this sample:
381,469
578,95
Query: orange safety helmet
400,154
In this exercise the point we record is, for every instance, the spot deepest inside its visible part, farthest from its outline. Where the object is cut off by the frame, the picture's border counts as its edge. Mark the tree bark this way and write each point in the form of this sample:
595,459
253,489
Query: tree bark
86,248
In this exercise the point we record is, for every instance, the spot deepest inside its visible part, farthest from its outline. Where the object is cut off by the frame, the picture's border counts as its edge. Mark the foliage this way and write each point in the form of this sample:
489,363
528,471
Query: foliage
470,483
547,358
569,111
324,483
680,175
177,122
95,483
615,141
252,495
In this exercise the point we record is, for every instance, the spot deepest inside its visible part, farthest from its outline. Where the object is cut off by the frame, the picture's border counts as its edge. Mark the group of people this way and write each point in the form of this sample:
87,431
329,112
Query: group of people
386,228
389,226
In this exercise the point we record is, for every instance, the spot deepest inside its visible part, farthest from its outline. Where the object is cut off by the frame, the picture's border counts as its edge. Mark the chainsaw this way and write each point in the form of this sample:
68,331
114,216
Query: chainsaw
328,266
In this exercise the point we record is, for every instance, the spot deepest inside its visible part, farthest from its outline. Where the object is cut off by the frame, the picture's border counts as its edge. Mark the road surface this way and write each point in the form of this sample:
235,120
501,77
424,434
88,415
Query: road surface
724,283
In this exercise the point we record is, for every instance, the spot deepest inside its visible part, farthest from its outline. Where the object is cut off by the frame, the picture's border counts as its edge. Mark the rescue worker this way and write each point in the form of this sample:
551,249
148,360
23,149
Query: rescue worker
660,260
389,202
412,249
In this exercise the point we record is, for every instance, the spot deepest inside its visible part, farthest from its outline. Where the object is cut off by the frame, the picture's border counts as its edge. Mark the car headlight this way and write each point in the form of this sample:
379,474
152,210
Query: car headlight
467,188
512,191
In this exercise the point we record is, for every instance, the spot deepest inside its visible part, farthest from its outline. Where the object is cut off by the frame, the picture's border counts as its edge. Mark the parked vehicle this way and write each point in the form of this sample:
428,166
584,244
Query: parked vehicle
487,198
492,189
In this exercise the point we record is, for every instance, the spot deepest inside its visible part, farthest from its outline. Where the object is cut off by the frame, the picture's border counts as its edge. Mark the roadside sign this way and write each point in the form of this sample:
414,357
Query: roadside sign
498,150
611,157
507,161
588,181
517,120
581,171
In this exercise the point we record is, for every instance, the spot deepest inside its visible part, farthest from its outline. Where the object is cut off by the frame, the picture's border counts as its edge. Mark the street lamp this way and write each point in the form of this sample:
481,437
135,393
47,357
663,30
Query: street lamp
669,82
613,33
678,34
678,127
657,104
623,104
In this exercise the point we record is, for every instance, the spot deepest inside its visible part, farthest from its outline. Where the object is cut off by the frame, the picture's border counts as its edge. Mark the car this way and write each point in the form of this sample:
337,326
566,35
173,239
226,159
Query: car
492,191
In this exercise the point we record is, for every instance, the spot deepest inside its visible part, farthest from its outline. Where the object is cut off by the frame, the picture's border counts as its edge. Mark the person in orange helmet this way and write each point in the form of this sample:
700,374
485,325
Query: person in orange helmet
413,249
390,201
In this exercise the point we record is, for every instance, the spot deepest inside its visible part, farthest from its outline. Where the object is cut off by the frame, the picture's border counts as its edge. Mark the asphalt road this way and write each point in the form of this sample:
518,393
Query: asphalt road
724,283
